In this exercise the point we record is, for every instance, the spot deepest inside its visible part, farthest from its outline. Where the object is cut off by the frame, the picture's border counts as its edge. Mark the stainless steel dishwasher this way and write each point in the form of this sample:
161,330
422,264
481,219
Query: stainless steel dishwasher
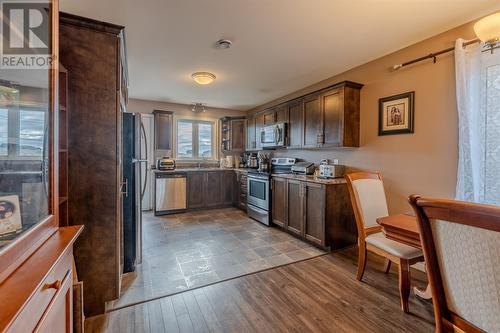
170,193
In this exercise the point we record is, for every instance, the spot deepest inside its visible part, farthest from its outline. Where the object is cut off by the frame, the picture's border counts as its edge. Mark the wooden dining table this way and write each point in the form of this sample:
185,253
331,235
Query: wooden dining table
403,228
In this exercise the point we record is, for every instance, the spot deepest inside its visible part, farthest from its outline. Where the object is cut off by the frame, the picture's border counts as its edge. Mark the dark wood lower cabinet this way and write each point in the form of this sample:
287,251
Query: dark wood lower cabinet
320,213
213,193
228,187
195,190
314,212
294,210
279,201
211,189
241,190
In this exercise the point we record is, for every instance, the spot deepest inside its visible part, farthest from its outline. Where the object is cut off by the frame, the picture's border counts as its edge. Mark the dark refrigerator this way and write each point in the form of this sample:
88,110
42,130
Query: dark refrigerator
133,190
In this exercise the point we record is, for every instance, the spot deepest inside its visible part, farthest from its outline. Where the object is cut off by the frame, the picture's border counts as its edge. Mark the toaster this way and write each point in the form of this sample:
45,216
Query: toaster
331,171
165,163
304,168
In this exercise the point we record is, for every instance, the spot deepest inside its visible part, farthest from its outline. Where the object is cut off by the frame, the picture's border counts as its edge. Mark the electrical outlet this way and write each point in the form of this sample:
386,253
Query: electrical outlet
335,161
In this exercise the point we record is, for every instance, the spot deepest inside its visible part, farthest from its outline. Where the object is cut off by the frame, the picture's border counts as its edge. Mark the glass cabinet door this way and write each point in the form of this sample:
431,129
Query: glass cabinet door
27,81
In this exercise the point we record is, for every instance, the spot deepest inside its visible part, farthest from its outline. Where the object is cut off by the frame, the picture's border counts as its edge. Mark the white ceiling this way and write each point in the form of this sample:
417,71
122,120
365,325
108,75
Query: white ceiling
279,46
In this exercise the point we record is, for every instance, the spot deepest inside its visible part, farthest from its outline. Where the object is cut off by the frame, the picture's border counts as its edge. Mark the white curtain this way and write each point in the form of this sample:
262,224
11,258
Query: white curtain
478,103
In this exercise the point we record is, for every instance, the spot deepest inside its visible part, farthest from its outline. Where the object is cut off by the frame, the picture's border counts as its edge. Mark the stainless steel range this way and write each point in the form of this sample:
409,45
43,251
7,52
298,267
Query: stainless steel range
259,189
258,196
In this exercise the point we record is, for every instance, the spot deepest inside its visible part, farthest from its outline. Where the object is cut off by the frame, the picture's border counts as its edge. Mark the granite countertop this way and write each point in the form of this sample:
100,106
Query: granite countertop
181,170
311,178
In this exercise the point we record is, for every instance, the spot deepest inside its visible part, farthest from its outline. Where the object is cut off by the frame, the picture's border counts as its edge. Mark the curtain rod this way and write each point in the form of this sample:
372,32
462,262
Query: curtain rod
432,55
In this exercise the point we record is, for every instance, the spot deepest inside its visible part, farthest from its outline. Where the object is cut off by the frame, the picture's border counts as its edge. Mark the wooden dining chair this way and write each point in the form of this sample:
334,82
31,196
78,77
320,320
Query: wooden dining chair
461,244
369,203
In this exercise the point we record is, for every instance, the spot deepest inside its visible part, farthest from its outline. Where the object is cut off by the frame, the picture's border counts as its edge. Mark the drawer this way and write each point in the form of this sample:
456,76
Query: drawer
42,297
57,317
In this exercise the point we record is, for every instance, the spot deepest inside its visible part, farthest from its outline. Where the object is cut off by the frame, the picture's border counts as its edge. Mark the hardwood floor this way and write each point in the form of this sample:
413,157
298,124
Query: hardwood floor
315,295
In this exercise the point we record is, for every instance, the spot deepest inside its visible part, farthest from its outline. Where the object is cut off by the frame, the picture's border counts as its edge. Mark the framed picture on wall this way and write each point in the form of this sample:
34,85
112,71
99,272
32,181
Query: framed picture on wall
396,114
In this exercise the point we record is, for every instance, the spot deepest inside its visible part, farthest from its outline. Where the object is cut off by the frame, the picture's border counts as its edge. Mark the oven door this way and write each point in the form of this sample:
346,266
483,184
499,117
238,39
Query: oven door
258,192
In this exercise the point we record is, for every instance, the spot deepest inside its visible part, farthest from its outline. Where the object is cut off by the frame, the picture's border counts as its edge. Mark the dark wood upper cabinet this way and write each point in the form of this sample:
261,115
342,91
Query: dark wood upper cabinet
340,115
269,117
238,134
312,121
259,124
163,129
326,118
279,201
196,190
251,143
213,193
314,212
333,116
294,211
351,115
282,114
295,123
233,134
275,115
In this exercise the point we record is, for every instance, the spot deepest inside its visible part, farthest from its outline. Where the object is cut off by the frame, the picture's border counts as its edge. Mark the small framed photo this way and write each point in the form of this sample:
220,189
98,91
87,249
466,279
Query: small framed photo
395,114
10,214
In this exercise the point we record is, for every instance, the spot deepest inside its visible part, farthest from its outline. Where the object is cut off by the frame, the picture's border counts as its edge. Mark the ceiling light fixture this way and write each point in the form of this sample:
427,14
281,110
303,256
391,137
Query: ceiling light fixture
203,77
487,29
198,108
8,87
223,44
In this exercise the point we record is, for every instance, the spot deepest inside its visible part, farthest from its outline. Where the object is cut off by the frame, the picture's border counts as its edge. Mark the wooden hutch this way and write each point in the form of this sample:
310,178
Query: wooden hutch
36,245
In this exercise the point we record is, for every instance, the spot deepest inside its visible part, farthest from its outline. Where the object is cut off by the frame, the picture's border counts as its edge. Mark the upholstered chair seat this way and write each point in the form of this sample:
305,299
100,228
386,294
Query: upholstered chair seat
395,248
369,203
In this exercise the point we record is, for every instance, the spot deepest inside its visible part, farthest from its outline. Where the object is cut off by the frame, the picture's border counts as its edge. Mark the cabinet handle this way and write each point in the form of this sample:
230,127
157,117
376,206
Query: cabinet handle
125,187
54,285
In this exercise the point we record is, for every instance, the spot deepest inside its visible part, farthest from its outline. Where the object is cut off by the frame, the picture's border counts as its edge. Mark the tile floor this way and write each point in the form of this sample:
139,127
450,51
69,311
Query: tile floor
189,250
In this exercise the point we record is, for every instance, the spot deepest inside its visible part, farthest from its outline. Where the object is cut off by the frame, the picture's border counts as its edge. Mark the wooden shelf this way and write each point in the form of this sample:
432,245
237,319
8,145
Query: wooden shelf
63,147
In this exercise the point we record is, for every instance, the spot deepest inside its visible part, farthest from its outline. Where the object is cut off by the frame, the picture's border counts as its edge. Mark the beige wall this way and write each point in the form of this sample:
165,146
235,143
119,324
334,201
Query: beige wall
424,162
143,106
183,110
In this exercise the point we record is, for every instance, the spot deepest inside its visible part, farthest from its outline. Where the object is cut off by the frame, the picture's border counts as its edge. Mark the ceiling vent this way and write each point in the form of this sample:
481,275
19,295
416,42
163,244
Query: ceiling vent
223,44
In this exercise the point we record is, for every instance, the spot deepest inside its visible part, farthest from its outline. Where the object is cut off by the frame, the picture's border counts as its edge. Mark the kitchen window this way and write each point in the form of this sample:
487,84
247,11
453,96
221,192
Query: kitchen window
4,132
195,139
22,132
31,132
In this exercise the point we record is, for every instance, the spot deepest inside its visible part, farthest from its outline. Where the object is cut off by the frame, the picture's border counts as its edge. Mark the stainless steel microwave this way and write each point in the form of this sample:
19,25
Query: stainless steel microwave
272,136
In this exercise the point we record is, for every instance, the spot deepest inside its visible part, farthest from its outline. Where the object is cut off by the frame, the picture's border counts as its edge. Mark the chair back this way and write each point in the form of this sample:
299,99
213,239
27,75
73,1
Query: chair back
461,243
368,200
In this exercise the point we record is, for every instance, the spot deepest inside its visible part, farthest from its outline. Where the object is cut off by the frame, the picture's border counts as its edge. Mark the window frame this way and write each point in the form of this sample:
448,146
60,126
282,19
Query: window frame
14,128
44,129
195,138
